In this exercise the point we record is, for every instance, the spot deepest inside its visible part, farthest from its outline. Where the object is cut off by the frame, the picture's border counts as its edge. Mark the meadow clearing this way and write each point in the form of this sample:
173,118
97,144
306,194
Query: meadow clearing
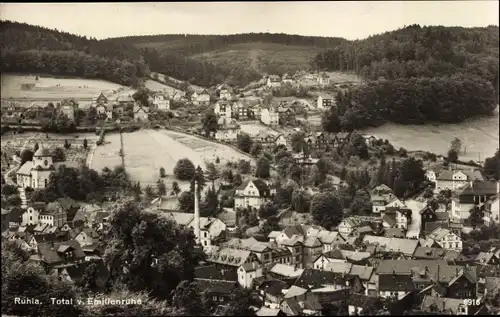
253,129
479,137
50,89
146,151
156,86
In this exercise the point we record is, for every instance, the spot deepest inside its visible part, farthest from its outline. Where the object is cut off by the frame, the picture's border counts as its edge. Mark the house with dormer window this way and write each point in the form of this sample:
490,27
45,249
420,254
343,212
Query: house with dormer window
252,193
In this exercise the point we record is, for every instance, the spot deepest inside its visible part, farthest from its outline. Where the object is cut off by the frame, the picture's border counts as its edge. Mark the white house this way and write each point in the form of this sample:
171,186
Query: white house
247,273
273,81
201,98
269,117
491,212
161,101
36,173
287,79
475,194
452,179
99,99
400,216
52,215
210,228
323,79
252,193
87,236
324,101
228,130
141,113
446,239
347,226
225,94
223,109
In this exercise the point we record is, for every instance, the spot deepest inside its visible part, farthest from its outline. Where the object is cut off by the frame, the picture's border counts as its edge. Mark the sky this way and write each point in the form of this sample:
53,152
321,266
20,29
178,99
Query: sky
350,20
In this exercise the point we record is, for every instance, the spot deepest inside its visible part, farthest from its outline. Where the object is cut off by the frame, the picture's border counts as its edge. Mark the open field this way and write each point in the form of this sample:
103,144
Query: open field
75,154
50,89
146,151
156,86
262,57
479,137
107,155
253,129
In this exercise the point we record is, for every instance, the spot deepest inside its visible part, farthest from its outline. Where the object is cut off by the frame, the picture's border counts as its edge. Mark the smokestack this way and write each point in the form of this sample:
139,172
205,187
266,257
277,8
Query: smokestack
196,212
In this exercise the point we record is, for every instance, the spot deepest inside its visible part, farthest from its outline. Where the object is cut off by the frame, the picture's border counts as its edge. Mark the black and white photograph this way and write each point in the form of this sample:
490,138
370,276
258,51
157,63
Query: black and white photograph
267,158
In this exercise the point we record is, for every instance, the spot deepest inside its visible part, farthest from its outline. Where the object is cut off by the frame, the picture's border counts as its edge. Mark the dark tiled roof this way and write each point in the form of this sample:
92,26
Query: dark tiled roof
395,282
48,251
216,286
313,279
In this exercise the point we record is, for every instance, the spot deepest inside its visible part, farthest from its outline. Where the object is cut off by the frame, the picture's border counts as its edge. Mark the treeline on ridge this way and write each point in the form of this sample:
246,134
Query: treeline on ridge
32,49
417,74
197,44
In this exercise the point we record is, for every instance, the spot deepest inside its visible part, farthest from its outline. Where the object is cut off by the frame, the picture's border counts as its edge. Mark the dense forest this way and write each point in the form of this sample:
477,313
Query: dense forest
417,74
33,49
197,44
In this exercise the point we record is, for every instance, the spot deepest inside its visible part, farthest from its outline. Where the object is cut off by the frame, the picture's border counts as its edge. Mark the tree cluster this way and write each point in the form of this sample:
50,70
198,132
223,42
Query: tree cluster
418,74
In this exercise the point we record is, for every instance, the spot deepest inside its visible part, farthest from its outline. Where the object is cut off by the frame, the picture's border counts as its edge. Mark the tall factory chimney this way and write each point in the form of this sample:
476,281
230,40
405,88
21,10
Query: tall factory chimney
196,212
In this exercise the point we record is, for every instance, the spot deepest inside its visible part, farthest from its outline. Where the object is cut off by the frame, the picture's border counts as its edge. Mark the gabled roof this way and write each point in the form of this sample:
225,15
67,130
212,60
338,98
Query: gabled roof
216,286
49,254
338,267
25,169
438,234
295,291
325,96
395,283
480,188
228,256
286,270
313,279
211,272
362,271
449,306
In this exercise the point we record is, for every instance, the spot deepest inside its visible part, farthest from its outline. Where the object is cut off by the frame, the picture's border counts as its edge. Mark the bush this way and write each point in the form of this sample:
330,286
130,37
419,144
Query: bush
184,169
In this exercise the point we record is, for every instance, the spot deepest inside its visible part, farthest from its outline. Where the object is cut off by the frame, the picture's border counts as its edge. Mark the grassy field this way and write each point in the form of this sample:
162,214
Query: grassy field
262,57
107,155
48,89
253,129
146,151
156,86
479,137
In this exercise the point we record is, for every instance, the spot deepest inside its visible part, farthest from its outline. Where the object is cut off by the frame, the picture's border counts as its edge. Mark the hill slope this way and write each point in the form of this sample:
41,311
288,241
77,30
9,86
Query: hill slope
239,58
416,75
33,49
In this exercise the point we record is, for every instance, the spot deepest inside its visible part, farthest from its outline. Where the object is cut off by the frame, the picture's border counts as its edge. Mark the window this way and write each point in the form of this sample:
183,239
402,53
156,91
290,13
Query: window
205,242
205,234
297,258
45,163
297,249
45,182
214,298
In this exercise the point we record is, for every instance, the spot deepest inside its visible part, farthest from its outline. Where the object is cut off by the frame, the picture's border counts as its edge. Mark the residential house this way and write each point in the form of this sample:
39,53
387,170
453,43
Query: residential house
241,111
475,194
347,225
36,173
123,100
400,216
285,272
429,253
229,259
105,111
223,109
450,306
403,276
228,130
247,273
446,239
161,101
273,81
488,258
329,239
286,115
226,94
287,79
74,273
53,254
218,291
323,79
312,249
492,211
202,98
252,193
406,247
69,108
87,236
210,227
271,292
141,113
325,101
319,282
357,303
452,179
340,138
339,256
99,99
269,117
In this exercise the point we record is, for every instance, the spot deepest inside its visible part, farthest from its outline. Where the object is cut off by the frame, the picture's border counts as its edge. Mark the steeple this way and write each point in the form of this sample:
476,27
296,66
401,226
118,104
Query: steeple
196,212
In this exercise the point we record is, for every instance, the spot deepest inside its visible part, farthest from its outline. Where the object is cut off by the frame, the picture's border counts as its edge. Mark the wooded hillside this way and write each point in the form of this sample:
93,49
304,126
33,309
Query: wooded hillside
418,74
32,49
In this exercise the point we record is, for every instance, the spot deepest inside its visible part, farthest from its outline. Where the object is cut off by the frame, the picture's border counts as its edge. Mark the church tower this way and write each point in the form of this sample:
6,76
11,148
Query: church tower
42,167
196,212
